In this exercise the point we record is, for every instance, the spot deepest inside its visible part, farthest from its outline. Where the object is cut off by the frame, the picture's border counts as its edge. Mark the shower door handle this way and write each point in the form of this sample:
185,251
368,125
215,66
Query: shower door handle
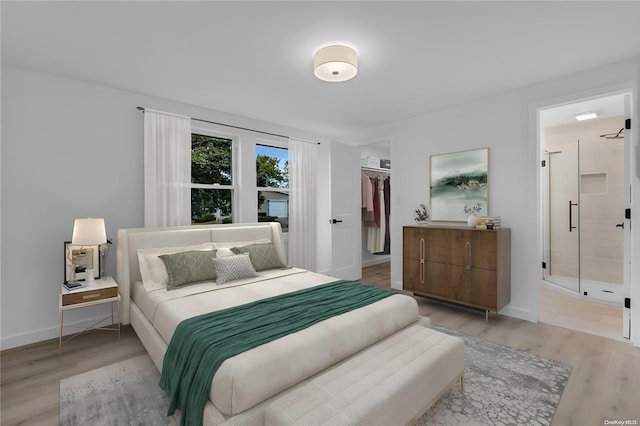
620,225
571,227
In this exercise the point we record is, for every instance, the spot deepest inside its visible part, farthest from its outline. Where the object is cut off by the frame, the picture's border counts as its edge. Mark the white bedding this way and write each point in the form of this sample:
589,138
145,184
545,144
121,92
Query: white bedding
149,301
253,376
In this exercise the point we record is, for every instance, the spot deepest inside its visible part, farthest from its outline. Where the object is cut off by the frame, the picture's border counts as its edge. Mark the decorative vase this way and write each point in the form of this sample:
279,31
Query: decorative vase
422,215
472,220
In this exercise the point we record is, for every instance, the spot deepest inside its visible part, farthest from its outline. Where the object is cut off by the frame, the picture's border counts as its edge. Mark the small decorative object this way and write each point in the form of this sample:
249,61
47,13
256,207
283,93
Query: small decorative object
78,260
104,251
422,214
472,218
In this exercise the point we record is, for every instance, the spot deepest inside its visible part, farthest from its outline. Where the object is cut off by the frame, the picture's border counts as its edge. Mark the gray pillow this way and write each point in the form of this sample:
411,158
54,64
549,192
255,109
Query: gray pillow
189,267
262,256
231,268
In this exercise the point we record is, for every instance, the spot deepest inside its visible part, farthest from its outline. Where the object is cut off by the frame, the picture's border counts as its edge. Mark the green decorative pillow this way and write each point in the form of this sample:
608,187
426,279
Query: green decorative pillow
189,267
263,256
231,268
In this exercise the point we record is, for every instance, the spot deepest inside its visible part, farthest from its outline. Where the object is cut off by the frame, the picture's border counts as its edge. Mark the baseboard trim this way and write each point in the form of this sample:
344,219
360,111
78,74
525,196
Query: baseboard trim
39,336
514,312
373,262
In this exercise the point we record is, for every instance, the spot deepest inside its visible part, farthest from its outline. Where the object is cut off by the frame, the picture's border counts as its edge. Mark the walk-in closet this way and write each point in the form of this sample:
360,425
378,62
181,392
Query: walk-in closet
376,203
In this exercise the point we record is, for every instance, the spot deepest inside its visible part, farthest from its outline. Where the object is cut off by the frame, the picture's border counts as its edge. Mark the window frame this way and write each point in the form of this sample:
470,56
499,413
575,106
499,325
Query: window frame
234,169
274,144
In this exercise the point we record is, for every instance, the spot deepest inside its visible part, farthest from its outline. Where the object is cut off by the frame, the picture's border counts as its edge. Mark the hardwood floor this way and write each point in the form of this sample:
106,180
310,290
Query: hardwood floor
30,375
557,308
604,383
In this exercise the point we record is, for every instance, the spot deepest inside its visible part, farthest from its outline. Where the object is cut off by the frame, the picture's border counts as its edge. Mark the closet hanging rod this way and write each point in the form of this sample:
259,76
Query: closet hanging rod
139,108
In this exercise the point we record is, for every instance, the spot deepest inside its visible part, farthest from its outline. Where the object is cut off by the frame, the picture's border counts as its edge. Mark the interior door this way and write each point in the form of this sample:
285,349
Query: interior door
344,223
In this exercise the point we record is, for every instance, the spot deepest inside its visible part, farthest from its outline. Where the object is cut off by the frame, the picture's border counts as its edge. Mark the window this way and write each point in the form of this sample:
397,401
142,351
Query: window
212,182
272,182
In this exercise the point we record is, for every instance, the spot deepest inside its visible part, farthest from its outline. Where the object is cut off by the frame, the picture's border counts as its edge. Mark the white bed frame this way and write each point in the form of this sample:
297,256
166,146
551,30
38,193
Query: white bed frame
128,272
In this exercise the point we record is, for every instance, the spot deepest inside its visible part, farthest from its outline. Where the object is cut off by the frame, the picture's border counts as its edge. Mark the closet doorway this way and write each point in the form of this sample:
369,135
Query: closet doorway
585,190
375,168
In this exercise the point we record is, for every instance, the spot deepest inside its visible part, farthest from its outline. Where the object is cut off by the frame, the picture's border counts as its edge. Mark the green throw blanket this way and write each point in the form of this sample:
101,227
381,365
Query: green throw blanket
201,344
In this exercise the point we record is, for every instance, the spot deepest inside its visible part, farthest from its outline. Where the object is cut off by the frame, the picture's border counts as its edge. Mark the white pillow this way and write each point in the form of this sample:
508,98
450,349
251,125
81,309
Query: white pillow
224,249
152,269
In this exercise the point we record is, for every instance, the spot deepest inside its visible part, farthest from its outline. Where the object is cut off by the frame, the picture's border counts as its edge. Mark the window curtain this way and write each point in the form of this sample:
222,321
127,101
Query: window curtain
167,169
302,204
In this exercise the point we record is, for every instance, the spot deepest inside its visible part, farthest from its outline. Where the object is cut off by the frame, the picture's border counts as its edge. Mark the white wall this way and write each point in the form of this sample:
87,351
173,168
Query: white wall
504,124
69,150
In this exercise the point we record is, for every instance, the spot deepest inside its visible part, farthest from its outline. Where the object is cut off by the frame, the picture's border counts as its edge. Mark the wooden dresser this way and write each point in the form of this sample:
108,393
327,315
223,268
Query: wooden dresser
461,265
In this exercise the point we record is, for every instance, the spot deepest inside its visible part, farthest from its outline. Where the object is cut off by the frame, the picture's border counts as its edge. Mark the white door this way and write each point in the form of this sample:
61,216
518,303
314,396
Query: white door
626,282
344,223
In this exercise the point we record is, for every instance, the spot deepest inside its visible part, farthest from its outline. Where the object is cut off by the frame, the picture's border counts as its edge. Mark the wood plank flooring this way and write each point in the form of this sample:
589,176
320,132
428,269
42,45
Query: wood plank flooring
30,375
604,383
557,308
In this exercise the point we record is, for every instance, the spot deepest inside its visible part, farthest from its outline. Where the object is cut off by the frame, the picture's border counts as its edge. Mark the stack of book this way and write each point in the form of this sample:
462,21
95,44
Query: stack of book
489,222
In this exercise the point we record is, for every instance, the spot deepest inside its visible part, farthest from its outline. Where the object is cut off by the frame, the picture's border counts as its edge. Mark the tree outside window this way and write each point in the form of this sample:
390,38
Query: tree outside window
272,181
211,179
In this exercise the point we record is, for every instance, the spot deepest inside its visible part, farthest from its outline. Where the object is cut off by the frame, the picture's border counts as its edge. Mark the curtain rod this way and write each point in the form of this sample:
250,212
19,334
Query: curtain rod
139,108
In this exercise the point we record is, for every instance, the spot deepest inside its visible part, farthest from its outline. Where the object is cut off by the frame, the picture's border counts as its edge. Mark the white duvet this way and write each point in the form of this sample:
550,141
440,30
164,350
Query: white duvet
255,375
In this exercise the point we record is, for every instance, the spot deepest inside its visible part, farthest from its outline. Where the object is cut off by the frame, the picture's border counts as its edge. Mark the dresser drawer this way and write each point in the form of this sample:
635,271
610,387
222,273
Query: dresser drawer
89,295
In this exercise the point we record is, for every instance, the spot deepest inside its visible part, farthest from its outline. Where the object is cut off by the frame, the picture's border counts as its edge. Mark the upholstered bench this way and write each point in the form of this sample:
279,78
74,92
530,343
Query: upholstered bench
380,385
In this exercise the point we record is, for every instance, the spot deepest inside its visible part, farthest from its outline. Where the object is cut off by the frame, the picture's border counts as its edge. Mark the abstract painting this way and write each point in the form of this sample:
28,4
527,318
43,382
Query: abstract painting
459,179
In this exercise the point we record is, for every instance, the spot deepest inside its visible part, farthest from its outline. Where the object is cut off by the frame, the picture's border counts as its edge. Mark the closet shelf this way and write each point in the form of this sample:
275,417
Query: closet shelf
377,170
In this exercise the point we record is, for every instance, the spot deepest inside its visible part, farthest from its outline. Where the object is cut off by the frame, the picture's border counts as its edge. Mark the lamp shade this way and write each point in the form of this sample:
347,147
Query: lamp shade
89,232
335,63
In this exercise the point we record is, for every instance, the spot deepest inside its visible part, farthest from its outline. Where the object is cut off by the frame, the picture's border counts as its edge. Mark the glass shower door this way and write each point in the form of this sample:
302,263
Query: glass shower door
602,206
562,236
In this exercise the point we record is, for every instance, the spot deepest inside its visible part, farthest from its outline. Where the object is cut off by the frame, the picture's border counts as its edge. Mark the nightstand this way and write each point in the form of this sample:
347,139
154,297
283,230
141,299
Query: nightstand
97,292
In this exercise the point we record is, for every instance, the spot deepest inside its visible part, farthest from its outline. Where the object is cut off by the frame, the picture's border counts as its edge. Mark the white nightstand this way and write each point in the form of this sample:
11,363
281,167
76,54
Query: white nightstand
95,293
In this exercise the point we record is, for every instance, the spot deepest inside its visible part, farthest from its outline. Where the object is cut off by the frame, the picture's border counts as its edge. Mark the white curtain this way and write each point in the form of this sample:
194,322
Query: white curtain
167,169
302,204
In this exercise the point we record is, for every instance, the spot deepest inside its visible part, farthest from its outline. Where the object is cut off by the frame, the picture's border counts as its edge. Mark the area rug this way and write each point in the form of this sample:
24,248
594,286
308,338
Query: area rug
122,394
502,386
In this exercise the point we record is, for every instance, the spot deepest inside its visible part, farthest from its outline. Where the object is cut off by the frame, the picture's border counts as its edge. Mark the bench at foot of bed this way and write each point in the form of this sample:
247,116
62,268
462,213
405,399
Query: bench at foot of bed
394,381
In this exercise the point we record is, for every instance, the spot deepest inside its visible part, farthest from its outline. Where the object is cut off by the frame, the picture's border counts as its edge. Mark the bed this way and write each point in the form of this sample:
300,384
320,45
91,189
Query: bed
378,363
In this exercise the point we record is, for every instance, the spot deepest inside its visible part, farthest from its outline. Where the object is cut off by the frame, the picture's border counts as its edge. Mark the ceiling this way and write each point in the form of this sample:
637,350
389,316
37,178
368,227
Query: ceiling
255,58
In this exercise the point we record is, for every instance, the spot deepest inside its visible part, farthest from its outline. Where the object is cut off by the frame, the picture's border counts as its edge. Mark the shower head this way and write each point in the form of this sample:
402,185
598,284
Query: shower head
619,135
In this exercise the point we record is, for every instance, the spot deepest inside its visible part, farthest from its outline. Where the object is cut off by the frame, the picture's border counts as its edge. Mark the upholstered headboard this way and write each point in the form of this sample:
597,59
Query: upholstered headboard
131,240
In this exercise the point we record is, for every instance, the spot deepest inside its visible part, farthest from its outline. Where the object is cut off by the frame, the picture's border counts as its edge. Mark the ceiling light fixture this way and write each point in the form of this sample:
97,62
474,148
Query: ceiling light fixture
586,116
335,63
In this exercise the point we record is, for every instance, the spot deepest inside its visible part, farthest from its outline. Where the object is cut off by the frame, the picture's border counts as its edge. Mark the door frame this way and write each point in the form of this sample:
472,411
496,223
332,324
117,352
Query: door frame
536,154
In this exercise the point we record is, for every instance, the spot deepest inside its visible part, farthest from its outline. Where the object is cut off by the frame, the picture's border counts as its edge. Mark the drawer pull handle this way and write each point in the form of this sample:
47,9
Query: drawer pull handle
422,256
91,296
468,255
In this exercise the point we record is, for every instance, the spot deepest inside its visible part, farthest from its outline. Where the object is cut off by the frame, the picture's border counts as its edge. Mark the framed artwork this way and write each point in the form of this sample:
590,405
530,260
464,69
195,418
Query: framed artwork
459,179
82,259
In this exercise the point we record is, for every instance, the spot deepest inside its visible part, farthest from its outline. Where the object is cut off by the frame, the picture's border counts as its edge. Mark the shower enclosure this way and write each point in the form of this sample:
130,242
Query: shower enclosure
584,205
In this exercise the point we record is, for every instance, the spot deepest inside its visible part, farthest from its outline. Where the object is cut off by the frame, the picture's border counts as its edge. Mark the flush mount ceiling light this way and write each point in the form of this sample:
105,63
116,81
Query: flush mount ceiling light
586,116
335,63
